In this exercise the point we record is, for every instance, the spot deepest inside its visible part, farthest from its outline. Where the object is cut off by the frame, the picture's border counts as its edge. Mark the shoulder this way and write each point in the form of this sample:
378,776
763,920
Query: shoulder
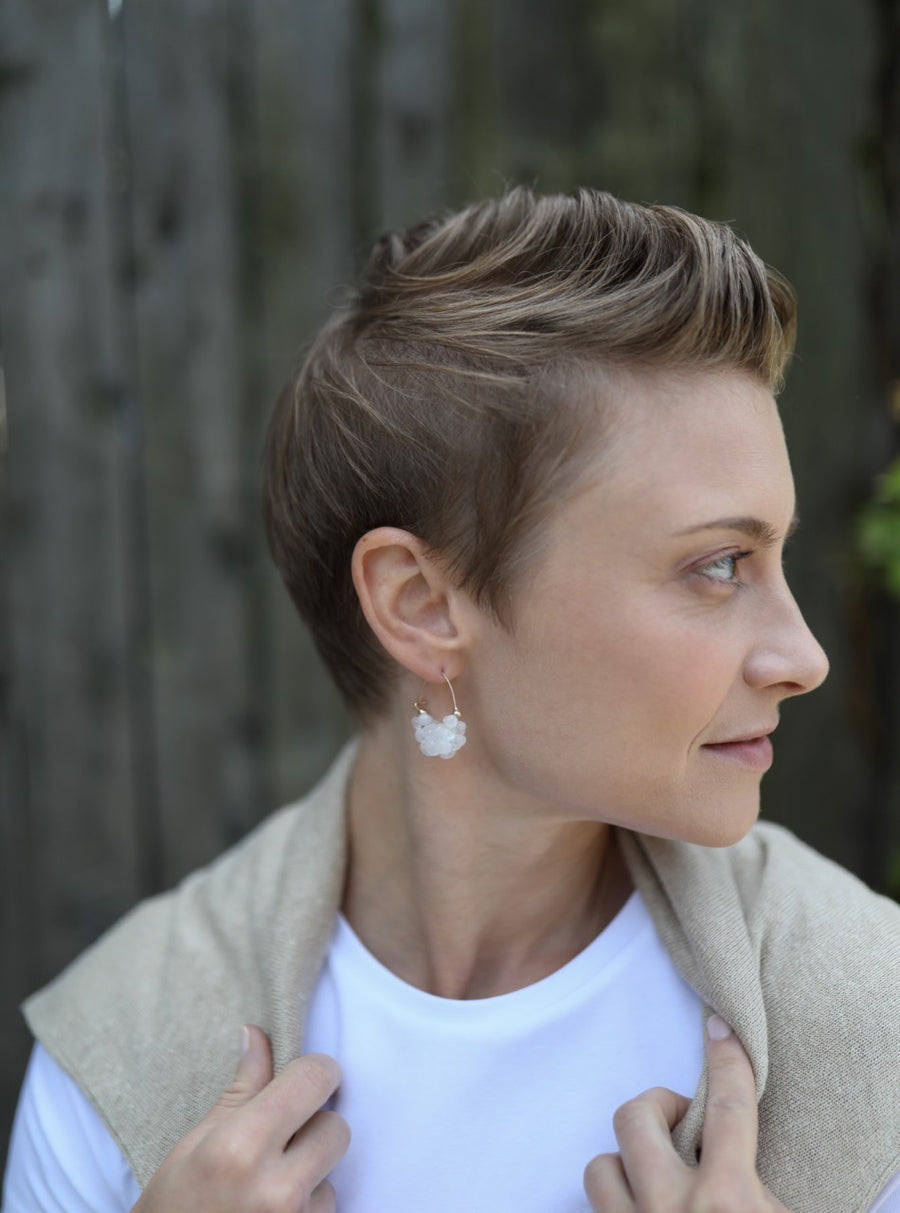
829,969
196,927
61,1156
804,961
147,1020
813,926
790,891
770,893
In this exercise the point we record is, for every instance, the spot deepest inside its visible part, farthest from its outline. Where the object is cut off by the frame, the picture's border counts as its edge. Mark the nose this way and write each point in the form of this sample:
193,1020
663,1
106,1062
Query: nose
787,654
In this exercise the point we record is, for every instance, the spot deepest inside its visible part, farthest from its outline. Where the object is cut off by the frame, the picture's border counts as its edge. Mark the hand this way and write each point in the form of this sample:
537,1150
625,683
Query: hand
266,1146
647,1176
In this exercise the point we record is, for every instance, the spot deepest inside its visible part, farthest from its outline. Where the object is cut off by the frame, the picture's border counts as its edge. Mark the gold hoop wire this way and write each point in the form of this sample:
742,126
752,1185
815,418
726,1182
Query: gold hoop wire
421,705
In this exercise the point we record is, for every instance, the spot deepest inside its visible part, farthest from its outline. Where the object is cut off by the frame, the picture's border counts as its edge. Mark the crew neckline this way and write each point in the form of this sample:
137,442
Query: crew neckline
598,962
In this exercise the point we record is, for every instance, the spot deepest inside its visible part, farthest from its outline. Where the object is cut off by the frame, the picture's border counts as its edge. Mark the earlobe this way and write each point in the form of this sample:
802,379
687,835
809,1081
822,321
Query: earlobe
407,600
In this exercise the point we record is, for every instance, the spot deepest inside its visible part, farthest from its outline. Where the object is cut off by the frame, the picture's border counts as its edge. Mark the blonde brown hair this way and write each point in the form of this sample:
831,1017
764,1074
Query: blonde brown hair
447,397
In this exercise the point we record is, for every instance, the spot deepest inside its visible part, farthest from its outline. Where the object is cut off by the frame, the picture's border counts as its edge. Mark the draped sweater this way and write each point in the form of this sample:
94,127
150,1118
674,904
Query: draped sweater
796,954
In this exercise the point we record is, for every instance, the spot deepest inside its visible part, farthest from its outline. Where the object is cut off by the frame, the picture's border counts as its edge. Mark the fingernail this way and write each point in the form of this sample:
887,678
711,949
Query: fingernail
245,1040
717,1028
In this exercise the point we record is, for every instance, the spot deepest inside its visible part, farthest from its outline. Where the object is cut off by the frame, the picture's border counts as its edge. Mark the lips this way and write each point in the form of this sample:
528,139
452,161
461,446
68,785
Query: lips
752,751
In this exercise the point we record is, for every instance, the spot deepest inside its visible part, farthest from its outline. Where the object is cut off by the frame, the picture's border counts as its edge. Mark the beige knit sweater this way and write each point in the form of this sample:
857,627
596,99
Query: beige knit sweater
795,953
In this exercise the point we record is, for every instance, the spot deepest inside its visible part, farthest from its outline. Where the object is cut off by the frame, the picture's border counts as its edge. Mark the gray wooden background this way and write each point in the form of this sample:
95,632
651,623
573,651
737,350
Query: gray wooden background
183,185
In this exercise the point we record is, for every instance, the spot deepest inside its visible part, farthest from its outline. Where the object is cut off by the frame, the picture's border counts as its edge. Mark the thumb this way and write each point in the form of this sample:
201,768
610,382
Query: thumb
254,1071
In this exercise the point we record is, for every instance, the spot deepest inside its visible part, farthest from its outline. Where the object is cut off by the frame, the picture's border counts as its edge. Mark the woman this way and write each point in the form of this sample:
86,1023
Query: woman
530,492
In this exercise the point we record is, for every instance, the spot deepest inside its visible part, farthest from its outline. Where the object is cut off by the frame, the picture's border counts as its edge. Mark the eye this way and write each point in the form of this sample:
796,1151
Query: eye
723,569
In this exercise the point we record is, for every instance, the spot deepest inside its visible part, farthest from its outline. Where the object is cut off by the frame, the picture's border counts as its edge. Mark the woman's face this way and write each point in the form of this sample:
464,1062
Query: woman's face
655,636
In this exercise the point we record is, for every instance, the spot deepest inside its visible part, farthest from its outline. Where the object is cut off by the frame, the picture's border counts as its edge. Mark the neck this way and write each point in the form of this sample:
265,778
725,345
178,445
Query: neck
462,889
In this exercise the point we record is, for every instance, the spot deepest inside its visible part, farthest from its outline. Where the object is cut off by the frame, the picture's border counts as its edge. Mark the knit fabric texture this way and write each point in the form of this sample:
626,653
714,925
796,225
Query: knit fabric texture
796,954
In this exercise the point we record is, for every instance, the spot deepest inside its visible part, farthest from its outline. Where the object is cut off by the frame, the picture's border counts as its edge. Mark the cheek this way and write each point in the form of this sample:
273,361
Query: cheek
648,669
611,689
682,676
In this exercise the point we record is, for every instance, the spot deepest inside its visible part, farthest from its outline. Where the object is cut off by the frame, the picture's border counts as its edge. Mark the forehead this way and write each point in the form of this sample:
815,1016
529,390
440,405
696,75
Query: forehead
688,448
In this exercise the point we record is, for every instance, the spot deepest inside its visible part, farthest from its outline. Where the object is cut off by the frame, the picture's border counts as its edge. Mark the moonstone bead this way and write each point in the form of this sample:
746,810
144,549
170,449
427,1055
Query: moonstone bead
439,738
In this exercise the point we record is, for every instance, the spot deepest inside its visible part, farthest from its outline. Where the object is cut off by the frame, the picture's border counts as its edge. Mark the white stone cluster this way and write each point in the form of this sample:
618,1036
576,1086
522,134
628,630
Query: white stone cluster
439,738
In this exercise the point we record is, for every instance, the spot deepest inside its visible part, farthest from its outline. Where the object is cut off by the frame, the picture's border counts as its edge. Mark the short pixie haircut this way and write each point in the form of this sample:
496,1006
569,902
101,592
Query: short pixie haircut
449,395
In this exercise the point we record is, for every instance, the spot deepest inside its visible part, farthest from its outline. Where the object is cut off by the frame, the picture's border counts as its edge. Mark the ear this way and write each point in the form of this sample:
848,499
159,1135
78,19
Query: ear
409,602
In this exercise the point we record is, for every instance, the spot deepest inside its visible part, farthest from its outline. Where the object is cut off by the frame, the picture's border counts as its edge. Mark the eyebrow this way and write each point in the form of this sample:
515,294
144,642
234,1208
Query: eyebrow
760,532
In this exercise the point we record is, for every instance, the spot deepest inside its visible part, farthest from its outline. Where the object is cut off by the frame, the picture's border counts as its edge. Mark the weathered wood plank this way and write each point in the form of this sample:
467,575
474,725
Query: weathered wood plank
305,86
415,57
67,814
188,306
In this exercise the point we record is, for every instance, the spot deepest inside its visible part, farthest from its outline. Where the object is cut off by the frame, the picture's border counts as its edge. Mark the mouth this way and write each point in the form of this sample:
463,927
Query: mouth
754,752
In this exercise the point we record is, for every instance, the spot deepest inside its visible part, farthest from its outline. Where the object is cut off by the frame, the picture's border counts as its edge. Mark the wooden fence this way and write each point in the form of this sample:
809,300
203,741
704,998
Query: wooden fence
183,185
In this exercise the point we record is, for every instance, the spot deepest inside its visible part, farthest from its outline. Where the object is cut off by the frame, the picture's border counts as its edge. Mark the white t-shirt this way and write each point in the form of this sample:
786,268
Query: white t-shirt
483,1105
499,1103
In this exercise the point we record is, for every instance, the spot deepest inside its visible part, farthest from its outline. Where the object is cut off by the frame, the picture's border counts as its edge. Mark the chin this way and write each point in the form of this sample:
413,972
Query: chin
714,820
728,825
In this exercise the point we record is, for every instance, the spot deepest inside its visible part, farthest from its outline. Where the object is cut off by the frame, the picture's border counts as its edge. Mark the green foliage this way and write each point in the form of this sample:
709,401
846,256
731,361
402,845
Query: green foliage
878,530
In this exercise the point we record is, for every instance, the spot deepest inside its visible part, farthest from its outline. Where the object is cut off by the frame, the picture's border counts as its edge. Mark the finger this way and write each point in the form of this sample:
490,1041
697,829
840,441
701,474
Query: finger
643,1129
287,1103
253,1073
316,1150
324,1199
730,1124
606,1185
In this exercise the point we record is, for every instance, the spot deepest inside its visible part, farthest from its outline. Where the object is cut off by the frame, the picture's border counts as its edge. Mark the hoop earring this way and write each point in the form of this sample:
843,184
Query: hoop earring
438,738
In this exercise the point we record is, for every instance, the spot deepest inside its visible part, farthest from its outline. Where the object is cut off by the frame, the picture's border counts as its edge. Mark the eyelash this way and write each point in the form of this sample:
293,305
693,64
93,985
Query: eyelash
734,558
